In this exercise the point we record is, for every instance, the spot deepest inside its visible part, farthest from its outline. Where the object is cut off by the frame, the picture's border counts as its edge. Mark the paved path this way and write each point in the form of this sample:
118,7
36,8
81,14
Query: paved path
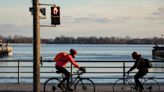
29,88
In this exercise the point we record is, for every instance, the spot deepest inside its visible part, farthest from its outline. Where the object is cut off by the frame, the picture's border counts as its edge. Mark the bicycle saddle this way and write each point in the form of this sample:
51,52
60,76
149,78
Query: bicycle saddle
58,72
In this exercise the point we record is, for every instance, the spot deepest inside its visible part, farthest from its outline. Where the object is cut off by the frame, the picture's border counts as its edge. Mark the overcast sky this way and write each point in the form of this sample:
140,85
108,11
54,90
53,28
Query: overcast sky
80,18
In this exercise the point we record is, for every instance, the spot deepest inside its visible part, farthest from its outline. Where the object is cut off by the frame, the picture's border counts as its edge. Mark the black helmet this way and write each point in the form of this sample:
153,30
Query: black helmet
134,54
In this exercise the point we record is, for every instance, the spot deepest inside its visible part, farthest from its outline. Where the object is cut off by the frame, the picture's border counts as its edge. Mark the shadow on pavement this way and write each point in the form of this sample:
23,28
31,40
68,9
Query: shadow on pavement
13,91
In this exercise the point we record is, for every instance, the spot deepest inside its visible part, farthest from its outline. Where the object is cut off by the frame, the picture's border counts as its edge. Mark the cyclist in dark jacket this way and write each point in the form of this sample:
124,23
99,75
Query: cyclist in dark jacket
142,69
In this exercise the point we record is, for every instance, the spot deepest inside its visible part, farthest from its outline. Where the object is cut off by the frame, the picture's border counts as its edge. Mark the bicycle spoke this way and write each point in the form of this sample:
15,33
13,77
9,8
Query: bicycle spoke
51,85
134,89
151,85
120,86
84,85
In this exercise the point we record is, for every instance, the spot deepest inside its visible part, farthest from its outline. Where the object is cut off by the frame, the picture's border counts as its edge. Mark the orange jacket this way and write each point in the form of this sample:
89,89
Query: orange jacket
68,58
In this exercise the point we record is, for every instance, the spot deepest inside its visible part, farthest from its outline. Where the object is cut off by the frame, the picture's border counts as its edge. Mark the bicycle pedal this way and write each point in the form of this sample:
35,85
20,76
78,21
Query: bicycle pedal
61,87
53,88
70,90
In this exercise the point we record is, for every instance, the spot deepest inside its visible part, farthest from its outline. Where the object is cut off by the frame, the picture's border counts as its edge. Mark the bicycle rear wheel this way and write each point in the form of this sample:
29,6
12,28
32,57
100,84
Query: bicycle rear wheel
121,86
51,85
84,85
151,85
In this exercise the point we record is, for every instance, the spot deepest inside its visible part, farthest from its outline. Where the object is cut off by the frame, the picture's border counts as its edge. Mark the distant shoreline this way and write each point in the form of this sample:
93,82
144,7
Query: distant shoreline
86,40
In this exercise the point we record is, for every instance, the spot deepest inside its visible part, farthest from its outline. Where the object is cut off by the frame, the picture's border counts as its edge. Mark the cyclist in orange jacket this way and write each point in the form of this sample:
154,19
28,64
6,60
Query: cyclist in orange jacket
61,64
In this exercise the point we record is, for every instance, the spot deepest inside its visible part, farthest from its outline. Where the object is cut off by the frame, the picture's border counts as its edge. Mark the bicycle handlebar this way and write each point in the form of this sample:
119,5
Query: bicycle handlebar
80,72
128,76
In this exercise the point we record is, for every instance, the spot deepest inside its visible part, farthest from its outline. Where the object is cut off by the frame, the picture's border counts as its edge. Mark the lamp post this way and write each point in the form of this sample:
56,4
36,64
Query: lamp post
36,46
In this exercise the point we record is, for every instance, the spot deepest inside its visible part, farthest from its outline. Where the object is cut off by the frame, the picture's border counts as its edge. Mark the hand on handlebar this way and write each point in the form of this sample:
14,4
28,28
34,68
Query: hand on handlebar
82,69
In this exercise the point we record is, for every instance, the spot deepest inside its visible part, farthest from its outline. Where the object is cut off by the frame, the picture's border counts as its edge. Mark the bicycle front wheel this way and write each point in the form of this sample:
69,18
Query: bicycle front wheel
121,86
151,85
51,85
84,85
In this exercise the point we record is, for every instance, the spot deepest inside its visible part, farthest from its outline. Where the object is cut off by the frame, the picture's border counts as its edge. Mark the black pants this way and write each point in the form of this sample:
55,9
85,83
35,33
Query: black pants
139,75
65,72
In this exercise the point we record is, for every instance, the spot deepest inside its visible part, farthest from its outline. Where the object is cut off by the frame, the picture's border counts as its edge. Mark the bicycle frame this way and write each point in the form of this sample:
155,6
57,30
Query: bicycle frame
129,79
78,83
143,80
151,85
75,79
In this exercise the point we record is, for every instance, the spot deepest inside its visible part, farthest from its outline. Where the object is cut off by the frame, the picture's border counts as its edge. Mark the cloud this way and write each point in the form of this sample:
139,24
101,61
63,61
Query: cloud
11,29
159,14
93,18
7,26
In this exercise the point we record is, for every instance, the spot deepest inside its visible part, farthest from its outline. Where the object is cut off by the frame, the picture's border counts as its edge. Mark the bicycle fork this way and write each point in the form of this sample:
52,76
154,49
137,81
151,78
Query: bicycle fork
82,84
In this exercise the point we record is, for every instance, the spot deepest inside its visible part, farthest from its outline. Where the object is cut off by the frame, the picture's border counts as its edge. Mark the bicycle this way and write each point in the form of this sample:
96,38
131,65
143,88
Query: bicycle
79,84
126,84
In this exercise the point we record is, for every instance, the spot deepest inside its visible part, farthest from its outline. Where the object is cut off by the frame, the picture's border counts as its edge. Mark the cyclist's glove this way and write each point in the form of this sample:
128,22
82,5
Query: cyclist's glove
82,69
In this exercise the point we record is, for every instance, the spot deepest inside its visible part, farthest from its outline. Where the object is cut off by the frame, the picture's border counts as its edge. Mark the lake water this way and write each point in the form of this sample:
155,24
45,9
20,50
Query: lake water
87,52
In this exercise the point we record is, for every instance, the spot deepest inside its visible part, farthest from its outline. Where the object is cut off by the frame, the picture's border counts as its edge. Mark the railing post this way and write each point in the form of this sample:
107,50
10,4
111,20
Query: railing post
18,72
123,71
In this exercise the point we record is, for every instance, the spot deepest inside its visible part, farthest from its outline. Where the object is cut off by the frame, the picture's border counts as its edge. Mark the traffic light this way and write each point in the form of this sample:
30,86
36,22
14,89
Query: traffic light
55,15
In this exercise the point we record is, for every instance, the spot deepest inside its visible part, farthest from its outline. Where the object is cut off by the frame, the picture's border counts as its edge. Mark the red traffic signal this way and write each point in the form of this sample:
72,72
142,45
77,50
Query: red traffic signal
55,15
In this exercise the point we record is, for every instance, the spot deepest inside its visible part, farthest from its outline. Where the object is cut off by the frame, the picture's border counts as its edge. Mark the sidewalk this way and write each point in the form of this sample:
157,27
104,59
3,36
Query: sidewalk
29,88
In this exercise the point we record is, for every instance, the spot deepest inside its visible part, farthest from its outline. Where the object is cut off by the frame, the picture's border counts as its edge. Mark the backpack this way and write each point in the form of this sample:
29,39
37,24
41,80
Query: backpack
144,63
148,64
60,56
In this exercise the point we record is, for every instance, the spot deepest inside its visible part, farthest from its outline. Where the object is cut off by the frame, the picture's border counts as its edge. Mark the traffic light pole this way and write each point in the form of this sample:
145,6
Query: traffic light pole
36,43
36,46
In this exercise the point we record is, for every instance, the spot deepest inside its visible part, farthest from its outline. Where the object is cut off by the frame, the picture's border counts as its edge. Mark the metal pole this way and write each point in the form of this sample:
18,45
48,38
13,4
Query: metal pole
123,72
36,46
18,72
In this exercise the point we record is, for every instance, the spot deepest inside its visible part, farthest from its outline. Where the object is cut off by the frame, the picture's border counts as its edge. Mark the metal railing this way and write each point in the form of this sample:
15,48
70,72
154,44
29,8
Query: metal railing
21,71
